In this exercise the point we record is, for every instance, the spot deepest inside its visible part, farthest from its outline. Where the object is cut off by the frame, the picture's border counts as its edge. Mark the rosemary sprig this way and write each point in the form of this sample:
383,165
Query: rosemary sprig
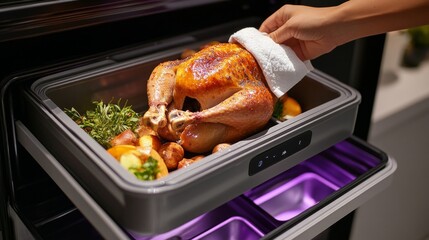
106,120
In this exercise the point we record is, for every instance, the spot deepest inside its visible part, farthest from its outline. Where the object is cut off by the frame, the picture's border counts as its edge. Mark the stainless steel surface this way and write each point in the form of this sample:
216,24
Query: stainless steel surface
20,230
89,208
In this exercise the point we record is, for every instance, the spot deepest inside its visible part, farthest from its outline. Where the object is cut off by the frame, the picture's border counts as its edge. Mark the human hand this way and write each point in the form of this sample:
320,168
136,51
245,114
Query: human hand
309,31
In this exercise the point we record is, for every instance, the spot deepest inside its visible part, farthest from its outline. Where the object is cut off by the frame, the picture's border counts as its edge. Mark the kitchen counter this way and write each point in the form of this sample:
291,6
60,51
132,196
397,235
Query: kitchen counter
399,87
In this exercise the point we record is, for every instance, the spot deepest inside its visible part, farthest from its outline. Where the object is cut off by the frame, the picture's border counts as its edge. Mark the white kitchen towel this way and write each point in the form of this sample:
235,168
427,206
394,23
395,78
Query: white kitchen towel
281,67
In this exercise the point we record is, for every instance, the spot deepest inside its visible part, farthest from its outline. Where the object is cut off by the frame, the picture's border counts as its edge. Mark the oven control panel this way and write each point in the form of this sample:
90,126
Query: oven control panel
279,152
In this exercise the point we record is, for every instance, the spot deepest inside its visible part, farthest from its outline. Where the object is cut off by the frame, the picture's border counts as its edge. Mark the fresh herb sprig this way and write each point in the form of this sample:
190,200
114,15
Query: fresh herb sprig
147,171
106,120
278,109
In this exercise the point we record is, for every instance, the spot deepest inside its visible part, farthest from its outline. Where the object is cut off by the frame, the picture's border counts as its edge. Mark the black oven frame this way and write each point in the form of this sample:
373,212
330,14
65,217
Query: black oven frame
87,35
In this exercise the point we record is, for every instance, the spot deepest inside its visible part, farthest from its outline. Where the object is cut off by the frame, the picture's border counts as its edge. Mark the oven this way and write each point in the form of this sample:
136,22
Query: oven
297,179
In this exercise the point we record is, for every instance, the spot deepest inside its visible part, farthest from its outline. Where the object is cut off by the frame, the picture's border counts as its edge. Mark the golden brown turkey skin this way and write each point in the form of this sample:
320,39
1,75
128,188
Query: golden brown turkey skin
216,95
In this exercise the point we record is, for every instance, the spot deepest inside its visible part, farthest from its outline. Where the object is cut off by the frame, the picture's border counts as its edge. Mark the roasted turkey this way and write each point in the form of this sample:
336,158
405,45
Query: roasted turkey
214,96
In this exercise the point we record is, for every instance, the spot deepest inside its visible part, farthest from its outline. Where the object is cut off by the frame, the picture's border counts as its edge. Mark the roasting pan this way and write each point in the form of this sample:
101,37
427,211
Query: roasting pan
148,207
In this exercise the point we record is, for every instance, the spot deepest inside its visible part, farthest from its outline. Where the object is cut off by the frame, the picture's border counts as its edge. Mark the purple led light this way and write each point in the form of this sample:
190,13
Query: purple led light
180,231
283,197
288,185
329,170
358,154
233,228
295,196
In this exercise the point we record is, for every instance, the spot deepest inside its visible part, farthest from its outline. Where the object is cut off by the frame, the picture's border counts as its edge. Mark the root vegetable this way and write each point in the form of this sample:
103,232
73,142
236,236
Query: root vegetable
172,153
150,141
127,137
163,171
287,108
188,161
145,130
118,150
129,160
221,147
198,157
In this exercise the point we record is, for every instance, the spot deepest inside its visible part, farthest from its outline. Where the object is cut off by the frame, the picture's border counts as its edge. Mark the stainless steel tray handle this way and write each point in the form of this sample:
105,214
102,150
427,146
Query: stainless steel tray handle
74,191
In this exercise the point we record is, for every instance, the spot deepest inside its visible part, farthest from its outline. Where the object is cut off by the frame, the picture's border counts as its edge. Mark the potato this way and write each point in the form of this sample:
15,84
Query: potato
118,150
144,152
130,160
127,137
150,141
220,147
163,171
130,156
198,157
145,130
135,158
172,153
186,161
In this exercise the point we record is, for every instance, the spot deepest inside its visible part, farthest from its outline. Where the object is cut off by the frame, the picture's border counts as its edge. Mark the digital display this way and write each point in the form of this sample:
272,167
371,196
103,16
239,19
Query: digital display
279,152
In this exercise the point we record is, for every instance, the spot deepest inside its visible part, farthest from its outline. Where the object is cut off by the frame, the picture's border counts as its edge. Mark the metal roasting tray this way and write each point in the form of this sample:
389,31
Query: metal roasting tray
329,112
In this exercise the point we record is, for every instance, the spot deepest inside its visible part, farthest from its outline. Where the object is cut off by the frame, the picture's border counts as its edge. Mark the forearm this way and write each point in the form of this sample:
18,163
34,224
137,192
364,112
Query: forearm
361,18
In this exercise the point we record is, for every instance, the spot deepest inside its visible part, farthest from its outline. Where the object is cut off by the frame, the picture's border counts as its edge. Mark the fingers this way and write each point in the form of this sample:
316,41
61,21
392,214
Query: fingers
296,46
270,24
281,35
273,22
276,25
285,27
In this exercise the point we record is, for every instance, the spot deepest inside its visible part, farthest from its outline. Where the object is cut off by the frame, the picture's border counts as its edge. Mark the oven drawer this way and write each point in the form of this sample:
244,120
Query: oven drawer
299,203
329,113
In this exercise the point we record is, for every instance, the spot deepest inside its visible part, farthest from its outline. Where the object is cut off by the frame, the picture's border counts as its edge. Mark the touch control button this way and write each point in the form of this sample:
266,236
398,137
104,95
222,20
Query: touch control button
279,152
